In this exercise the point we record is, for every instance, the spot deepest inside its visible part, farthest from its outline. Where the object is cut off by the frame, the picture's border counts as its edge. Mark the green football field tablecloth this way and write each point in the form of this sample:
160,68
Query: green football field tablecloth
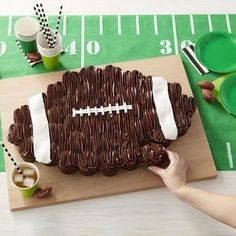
94,40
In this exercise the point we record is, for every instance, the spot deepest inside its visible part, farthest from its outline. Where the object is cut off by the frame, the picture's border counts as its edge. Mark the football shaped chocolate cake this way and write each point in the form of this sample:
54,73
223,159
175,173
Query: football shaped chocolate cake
102,120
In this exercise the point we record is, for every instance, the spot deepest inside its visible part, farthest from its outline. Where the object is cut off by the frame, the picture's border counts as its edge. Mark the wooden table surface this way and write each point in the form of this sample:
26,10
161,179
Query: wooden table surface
152,212
192,146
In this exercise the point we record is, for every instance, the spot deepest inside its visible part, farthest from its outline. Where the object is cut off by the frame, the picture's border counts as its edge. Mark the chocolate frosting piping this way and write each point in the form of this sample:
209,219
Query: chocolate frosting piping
106,142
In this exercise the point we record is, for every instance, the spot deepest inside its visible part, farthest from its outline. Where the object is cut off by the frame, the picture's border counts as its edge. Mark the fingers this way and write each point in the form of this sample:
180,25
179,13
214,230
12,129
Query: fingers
157,170
183,163
173,156
175,161
181,158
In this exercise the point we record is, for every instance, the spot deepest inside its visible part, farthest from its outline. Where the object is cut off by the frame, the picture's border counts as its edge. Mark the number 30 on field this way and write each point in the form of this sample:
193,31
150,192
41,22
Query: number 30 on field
167,47
3,48
93,48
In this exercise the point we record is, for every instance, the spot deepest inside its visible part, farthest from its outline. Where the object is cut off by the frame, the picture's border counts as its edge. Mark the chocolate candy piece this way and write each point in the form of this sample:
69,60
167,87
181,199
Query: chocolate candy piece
43,192
34,56
208,96
205,84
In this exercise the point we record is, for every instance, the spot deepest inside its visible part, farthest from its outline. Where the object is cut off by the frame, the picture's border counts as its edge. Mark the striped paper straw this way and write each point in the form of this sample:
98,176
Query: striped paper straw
39,19
12,159
43,26
190,54
57,27
32,63
46,24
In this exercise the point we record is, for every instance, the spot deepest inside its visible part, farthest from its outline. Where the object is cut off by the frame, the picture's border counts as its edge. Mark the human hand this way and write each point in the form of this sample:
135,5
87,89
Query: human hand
174,176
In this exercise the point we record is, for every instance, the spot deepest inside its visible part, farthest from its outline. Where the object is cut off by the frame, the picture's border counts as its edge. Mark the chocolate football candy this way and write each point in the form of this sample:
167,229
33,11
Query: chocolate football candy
205,84
34,56
208,95
42,193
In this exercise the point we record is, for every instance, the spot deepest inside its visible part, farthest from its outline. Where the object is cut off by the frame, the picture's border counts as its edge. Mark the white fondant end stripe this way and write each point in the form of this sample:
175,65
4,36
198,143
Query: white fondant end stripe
164,108
41,137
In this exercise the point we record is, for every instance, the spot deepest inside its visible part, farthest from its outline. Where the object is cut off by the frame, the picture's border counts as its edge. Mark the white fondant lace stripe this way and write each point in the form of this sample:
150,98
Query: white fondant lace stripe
164,108
41,137
95,110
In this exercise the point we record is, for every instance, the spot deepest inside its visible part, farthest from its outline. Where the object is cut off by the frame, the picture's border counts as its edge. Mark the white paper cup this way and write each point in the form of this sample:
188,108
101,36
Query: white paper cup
26,30
50,56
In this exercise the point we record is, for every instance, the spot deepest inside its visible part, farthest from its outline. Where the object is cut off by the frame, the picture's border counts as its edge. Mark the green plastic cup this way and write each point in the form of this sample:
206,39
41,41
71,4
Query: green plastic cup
26,30
50,56
27,191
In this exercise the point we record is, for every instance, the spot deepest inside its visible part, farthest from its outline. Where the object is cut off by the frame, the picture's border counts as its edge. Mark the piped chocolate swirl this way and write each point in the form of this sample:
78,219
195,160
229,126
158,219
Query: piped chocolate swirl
103,142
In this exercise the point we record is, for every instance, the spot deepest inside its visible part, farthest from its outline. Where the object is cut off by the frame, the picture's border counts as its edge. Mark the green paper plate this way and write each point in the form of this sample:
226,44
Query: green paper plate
228,94
217,51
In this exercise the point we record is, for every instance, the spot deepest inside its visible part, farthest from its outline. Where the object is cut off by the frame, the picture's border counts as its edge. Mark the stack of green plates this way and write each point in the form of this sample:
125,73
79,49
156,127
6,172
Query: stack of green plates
228,94
217,52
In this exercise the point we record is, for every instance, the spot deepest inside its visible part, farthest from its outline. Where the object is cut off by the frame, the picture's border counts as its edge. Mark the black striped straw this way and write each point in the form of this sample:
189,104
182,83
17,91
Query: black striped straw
190,54
57,27
12,159
42,23
38,17
46,23
43,18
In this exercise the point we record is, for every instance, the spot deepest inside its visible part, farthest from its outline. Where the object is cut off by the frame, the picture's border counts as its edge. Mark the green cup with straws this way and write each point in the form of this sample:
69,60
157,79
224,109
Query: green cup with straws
24,176
50,56
49,42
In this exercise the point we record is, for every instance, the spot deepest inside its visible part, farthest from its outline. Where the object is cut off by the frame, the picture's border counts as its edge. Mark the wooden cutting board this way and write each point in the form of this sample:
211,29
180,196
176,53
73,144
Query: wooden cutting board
193,146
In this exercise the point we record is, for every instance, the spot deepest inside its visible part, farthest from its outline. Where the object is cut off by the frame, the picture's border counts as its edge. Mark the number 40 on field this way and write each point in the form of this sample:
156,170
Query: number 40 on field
93,48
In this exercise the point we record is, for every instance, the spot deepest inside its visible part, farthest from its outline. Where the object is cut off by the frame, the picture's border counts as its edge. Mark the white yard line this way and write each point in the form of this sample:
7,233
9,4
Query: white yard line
82,40
192,24
175,34
228,23
119,24
229,155
210,23
9,25
64,25
137,25
101,25
155,24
